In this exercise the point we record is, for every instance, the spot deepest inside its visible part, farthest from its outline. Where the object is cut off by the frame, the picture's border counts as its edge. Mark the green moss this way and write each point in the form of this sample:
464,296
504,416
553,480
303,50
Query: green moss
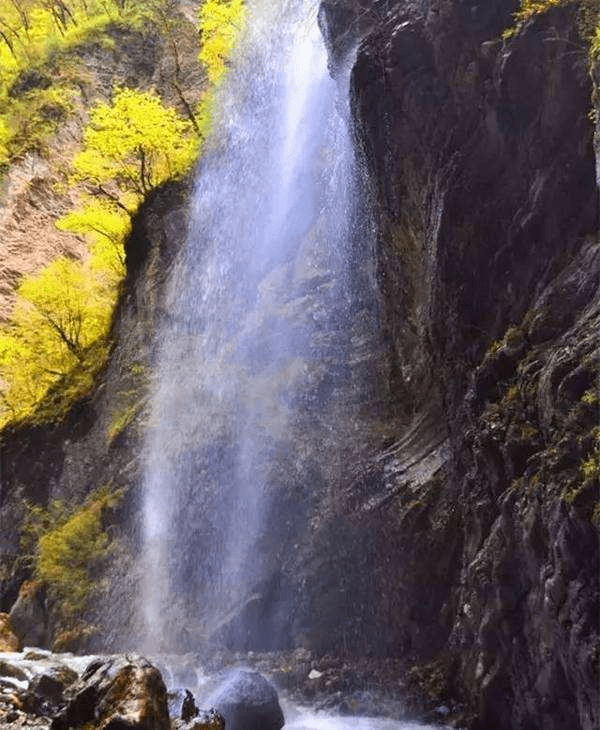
512,394
433,680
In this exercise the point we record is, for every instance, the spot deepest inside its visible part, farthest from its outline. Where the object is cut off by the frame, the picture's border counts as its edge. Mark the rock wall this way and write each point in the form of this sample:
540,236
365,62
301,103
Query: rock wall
480,151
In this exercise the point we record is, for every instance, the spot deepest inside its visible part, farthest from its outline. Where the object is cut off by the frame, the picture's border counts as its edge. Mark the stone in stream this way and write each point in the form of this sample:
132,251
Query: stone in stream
119,693
185,714
247,701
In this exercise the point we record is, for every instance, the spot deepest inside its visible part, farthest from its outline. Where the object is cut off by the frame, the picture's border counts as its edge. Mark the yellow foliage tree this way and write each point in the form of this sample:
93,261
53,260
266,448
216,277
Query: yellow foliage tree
131,145
68,546
59,314
222,23
106,227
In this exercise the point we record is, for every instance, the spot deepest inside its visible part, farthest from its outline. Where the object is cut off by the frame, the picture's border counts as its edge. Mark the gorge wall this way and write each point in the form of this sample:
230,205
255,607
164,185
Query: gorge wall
465,538
481,154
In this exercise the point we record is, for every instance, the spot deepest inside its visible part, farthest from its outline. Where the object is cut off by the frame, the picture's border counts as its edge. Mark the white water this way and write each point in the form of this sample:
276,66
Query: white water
314,721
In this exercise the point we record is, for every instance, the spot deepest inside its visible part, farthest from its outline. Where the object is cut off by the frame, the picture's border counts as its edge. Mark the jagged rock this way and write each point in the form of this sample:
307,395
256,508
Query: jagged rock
247,701
8,639
189,709
204,720
28,80
28,615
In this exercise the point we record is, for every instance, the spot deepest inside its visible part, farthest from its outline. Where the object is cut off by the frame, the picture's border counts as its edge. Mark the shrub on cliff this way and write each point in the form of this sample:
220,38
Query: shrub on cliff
37,77
68,547
131,145
221,26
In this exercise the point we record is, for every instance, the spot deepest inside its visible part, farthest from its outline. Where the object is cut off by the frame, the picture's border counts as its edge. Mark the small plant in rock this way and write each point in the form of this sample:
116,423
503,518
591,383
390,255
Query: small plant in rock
588,20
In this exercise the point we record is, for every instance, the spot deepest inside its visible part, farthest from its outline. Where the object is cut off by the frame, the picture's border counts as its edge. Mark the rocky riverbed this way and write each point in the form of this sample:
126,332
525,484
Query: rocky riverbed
39,689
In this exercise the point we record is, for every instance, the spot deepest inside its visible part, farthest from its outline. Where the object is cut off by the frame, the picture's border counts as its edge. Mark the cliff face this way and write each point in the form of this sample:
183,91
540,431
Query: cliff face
481,155
100,442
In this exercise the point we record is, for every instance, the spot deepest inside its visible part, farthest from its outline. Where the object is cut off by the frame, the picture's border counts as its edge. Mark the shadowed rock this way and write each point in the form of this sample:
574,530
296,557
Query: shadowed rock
248,701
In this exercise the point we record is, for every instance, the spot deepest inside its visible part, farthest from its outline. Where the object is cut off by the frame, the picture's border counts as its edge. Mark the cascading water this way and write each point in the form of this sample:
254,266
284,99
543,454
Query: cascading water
260,367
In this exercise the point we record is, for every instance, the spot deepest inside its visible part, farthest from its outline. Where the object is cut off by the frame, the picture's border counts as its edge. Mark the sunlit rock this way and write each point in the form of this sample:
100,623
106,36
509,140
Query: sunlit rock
8,639
28,615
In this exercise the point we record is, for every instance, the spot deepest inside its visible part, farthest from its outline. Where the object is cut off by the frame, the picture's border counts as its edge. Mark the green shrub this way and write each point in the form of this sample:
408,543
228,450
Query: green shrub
68,549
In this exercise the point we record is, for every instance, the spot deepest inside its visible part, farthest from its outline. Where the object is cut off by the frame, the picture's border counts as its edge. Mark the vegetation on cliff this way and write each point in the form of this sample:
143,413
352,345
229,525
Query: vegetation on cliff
68,547
58,336
589,18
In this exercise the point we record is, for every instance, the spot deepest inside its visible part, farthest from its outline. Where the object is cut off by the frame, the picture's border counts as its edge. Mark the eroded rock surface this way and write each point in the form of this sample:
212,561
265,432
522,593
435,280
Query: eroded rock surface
481,153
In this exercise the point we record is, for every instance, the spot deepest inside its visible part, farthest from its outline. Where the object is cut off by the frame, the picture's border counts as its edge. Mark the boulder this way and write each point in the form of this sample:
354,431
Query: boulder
8,639
120,693
28,615
247,701
185,714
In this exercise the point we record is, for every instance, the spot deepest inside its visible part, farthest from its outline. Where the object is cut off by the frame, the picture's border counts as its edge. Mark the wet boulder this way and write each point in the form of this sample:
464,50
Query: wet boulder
247,701
45,693
120,693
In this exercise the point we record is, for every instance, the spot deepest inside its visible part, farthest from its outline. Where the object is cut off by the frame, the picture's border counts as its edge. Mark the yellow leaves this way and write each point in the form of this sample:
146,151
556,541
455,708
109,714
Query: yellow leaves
59,314
532,7
595,44
105,227
4,139
66,554
135,142
222,23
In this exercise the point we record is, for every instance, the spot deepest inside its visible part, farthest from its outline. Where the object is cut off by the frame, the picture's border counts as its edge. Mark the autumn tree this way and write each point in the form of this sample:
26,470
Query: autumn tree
131,145
59,314
105,227
222,23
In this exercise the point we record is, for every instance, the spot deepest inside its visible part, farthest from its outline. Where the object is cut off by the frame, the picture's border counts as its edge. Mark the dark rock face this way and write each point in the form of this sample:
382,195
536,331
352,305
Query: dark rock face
481,154
248,701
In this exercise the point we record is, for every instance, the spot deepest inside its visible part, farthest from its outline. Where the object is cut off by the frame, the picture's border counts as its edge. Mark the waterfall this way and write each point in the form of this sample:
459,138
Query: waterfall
259,372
